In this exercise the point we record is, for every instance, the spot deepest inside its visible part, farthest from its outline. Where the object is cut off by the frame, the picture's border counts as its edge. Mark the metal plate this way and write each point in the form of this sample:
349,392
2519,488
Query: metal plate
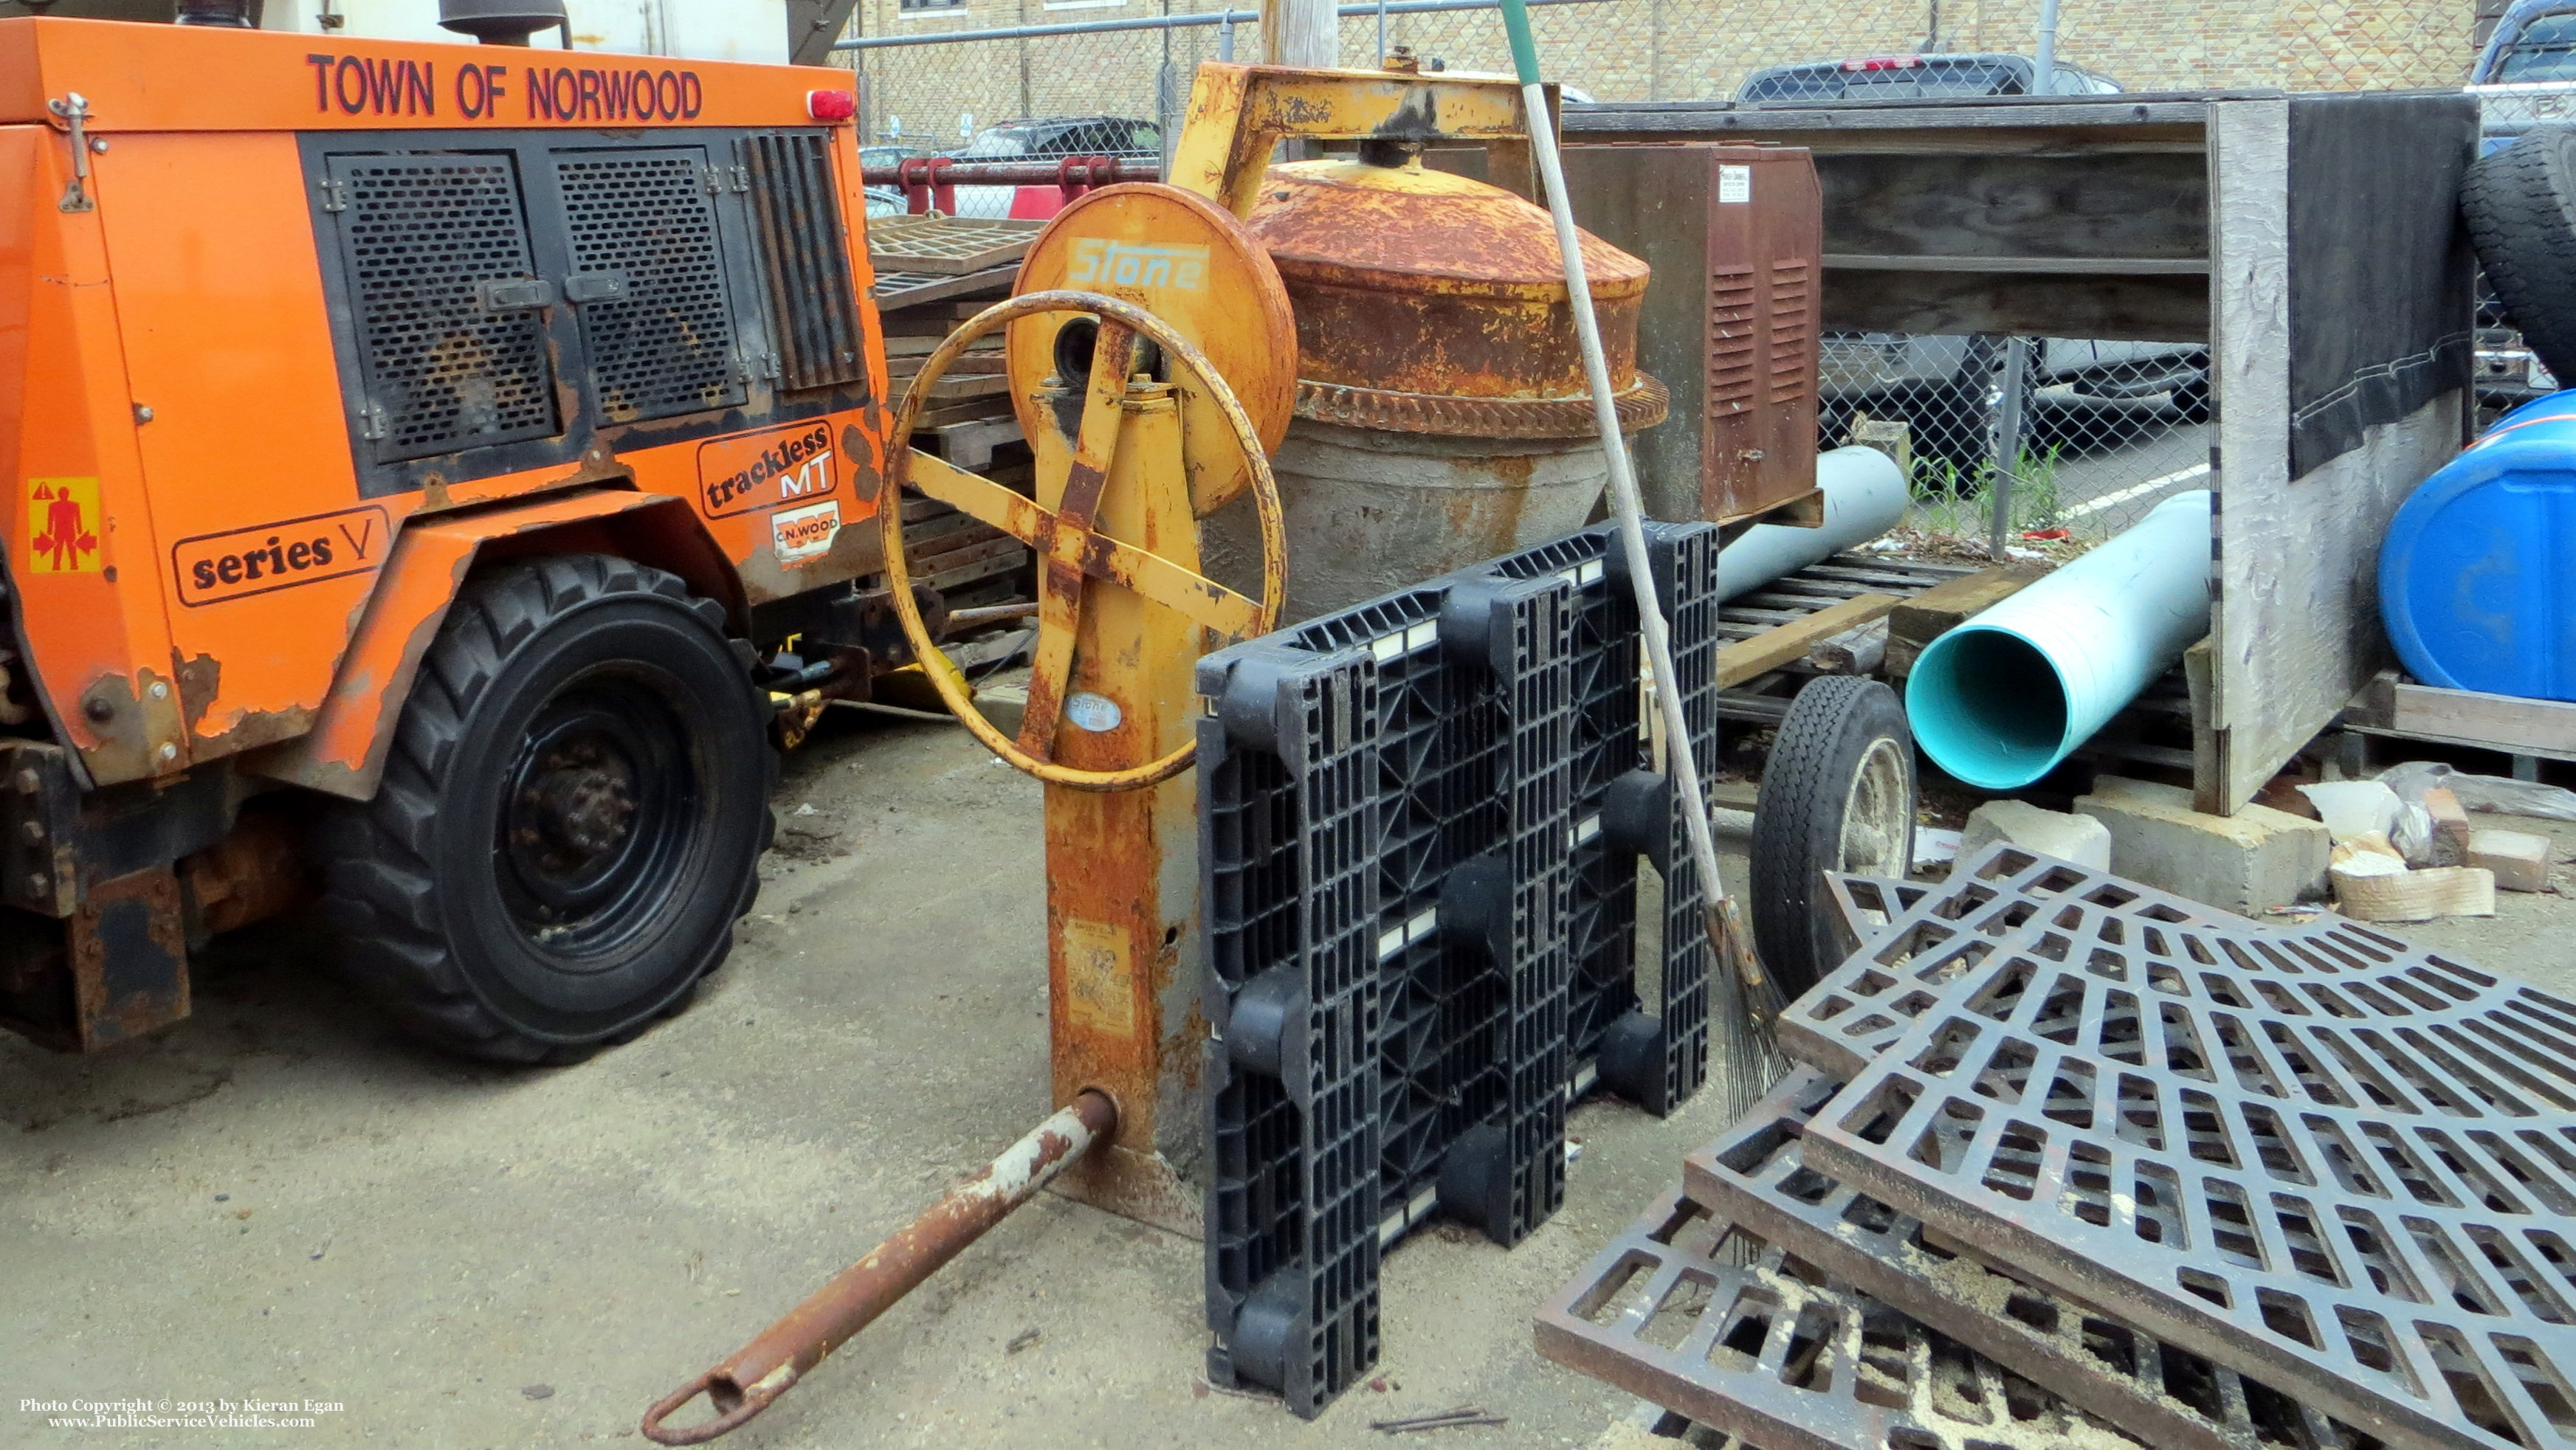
2315,1155
1862,1006
1178,256
1755,1174
1770,1350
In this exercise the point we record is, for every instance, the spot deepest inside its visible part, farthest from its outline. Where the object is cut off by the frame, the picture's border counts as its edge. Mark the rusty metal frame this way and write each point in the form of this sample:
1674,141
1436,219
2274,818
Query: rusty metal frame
2316,1155
1755,1174
1696,1314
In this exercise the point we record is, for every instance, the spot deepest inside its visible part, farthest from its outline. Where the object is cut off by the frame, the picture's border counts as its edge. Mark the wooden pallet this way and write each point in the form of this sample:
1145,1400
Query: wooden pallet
2393,705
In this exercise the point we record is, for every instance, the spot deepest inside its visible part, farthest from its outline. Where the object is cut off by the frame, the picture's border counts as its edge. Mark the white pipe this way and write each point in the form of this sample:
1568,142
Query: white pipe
2000,700
1864,498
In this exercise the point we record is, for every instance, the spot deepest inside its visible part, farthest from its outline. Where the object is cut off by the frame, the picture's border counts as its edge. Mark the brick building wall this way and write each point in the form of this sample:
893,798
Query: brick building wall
1649,49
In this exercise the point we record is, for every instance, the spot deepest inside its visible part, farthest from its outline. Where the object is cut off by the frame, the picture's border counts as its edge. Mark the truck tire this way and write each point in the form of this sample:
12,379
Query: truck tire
1837,795
571,819
2521,209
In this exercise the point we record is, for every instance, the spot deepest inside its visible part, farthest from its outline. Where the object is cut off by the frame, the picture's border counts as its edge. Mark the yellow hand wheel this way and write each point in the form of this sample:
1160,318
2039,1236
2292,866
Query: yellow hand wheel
1074,554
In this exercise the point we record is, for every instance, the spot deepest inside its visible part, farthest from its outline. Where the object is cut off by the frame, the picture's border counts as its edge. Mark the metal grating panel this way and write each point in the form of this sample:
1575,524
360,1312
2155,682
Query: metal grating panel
2316,1155
804,249
1703,1318
420,235
951,245
1755,1174
659,335
1860,1007
1288,810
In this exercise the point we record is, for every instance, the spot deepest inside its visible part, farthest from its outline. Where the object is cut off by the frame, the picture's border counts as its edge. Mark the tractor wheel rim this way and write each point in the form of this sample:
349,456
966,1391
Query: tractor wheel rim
597,816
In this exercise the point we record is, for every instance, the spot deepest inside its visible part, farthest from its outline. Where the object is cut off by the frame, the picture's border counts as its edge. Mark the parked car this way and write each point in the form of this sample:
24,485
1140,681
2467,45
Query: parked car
1917,78
2525,75
1041,140
1946,386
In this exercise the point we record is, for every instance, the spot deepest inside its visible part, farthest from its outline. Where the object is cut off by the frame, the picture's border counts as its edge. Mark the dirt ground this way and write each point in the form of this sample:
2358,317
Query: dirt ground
278,1200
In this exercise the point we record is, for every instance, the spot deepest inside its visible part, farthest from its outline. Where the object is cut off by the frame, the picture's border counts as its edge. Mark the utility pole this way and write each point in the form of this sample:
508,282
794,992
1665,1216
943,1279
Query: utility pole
2044,57
1301,32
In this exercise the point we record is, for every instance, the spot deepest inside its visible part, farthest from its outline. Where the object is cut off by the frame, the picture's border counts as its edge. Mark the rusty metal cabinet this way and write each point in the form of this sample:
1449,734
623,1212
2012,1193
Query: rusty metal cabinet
1735,237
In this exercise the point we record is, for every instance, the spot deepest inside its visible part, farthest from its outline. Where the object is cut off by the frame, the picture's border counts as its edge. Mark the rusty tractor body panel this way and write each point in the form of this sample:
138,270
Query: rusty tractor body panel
196,524
295,332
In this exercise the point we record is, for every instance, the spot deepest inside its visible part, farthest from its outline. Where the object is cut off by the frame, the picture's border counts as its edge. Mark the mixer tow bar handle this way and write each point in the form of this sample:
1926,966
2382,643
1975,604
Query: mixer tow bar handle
753,1379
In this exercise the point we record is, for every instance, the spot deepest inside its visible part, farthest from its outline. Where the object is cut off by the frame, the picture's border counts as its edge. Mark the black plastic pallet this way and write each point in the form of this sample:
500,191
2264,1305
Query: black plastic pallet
1289,821
1474,728
1509,804
1623,811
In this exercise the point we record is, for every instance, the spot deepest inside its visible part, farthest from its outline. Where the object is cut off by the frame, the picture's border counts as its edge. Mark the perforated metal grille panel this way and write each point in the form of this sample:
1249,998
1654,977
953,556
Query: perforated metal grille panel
419,235
1698,1315
641,222
2316,1155
1756,1174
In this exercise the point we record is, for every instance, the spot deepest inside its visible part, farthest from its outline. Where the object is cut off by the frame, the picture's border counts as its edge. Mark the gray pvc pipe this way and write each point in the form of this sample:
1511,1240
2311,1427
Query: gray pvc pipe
2000,700
1864,498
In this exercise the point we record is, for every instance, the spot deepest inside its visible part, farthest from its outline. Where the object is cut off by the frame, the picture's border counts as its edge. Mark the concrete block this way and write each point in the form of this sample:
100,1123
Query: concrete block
1004,705
2080,839
2519,860
2248,862
2450,826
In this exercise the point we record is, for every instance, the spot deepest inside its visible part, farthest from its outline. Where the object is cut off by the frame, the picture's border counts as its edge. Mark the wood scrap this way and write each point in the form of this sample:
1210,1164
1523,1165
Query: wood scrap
2375,888
1775,647
1947,605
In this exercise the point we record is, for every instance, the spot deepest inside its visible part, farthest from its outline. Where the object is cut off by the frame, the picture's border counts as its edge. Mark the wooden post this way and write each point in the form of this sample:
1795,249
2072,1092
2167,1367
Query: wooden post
1300,32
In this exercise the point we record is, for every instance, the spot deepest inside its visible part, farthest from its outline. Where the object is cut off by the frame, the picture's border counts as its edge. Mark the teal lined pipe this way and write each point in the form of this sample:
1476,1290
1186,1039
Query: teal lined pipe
2000,700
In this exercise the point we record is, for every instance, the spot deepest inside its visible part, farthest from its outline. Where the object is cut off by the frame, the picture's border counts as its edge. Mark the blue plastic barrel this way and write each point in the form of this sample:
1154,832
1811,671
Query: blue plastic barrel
2477,576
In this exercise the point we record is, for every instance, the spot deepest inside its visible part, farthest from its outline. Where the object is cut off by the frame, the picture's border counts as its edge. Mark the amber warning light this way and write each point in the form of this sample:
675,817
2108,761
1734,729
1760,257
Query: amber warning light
831,105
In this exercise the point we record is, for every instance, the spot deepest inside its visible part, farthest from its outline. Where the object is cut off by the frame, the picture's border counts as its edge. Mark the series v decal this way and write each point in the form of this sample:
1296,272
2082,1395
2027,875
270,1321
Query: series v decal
217,568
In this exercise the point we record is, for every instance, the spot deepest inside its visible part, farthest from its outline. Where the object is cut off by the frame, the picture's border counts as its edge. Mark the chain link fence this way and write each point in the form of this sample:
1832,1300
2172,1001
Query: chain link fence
2087,433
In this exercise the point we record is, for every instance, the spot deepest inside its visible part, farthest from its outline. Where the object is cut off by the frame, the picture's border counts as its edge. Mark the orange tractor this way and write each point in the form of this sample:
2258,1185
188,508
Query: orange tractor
419,458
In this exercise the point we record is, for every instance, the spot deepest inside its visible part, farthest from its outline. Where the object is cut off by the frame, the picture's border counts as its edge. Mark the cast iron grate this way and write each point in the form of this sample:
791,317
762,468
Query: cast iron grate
445,370
648,283
2316,1155
1927,938
805,256
1755,1174
1699,1316
1288,815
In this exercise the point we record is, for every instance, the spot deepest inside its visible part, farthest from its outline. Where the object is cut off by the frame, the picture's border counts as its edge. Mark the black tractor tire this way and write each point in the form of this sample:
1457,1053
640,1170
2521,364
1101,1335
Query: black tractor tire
2521,209
1843,750
571,818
